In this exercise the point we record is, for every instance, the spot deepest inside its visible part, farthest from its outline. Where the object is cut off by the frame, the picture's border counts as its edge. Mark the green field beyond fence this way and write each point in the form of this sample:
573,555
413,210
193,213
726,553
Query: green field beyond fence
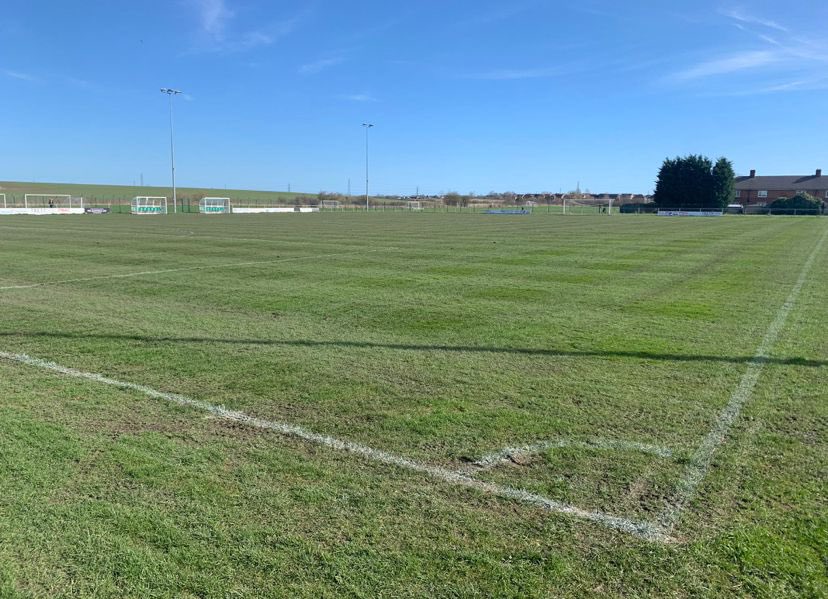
413,405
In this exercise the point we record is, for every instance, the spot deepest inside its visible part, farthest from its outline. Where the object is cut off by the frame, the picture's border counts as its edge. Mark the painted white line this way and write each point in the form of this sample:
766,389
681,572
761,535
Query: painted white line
641,529
506,454
699,464
145,273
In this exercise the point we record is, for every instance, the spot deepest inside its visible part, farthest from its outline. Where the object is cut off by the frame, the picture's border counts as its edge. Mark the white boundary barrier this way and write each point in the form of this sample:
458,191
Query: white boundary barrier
273,209
689,213
40,211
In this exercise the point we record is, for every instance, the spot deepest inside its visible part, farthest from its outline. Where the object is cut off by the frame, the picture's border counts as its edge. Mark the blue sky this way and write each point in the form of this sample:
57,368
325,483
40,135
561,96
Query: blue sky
469,96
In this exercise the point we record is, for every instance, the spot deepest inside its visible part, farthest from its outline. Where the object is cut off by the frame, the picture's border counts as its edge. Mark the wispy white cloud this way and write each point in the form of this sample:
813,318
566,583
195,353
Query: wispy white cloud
513,74
775,88
364,97
497,15
218,29
213,16
741,15
770,64
19,75
318,66
728,64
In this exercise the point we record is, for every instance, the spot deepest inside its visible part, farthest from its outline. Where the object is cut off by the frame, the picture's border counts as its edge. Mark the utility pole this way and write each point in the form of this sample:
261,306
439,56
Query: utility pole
367,126
170,93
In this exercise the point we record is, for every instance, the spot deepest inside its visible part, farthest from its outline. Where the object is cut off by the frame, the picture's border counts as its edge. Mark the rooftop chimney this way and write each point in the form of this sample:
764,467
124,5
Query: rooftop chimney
819,172
752,173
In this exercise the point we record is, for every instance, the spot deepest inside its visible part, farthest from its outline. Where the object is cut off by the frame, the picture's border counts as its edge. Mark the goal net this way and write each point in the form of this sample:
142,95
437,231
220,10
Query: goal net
214,205
329,204
51,200
414,205
149,205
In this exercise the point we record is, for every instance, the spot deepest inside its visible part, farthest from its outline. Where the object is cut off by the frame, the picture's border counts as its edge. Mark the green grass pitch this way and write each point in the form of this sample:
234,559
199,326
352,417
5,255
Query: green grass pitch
582,360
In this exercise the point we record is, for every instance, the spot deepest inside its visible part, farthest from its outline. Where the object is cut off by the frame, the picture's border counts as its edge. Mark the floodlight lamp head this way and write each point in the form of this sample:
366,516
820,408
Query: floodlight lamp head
369,125
170,91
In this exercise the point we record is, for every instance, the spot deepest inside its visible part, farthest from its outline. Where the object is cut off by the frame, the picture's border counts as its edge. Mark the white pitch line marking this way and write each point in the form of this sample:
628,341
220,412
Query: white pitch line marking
641,529
699,464
491,460
184,269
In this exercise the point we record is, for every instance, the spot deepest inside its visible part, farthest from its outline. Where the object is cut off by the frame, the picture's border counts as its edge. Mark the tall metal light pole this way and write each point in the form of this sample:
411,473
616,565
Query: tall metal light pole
367,127
170,93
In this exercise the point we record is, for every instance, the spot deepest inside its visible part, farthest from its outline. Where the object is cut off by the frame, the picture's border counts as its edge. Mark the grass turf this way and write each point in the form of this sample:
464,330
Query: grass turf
442,337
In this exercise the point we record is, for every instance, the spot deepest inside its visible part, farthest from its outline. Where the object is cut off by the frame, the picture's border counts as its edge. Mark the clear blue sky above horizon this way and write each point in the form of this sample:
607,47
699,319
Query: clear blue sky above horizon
469,96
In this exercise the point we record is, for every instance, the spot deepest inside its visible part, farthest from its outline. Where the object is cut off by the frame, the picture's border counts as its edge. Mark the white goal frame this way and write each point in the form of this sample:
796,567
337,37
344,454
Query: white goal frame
414,205
58,196
213,205
148,209
330,204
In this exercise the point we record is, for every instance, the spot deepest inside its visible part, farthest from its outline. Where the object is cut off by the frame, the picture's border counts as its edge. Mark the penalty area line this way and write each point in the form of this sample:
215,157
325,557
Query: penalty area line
701,461
642,529
144,273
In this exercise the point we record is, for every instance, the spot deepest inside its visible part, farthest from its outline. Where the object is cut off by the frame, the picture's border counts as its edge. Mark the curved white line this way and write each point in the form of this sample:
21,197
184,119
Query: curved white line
641,529
507,453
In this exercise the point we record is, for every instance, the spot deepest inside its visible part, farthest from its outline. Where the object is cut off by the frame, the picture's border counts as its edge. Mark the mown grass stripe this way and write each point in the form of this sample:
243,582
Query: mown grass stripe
699,464
642,529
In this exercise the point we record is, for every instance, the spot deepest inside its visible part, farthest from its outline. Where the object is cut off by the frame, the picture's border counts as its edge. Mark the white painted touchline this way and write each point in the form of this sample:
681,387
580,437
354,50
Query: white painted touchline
642,529
504,455
144,273
699,464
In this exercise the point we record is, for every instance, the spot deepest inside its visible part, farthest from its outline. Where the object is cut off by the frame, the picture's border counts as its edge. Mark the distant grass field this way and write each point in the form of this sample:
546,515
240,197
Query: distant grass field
121,195
610,344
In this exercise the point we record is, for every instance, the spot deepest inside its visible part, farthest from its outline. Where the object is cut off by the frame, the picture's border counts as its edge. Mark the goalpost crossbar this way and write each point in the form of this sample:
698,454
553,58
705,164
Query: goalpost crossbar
149,205
214,205
33,198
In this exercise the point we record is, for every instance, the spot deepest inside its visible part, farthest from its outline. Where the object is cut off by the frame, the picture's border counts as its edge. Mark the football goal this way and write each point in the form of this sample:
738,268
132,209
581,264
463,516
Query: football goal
329,205
45,203
214,206
414,205
149,205
51,200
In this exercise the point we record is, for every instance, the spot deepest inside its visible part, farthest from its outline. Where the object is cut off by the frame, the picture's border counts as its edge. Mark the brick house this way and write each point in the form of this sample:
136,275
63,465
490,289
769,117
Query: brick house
758,191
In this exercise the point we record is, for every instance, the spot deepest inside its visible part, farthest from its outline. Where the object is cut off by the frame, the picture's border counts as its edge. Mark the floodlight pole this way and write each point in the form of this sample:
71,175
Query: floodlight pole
367,127
170,93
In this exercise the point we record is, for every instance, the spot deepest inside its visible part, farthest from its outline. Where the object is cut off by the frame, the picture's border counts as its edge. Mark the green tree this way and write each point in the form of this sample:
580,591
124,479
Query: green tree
804,203
723,178
686,184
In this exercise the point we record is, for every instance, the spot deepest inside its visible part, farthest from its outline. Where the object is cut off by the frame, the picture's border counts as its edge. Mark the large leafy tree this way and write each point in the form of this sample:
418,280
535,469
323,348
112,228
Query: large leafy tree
688,183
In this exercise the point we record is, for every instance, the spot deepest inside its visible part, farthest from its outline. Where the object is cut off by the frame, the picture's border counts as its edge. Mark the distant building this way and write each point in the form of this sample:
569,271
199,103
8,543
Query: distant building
760,190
